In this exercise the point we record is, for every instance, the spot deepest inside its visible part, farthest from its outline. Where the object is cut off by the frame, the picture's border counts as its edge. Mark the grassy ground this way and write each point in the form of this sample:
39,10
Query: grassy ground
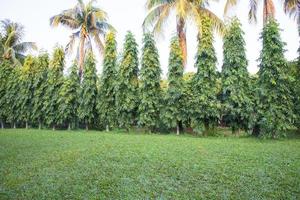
94,165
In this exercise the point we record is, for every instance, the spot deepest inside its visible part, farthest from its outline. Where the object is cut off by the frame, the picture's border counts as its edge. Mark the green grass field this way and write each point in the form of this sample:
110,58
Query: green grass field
95,165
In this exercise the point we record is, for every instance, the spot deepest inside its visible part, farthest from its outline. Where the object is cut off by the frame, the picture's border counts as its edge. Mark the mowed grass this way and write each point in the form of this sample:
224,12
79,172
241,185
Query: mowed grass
95,165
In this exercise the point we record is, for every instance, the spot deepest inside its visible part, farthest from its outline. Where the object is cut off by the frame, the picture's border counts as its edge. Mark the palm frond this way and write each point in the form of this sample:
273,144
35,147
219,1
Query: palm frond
253,11
156,16
70,46
24,47
64,20
154,3
228,5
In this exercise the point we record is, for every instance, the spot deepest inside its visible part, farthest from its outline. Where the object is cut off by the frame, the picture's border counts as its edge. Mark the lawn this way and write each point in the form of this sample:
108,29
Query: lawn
95,165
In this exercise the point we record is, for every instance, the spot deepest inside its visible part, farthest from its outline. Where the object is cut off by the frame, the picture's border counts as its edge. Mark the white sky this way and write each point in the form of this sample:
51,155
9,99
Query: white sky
129,15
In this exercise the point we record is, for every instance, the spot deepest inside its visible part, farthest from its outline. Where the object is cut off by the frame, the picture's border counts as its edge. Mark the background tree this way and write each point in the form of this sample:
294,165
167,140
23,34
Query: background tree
39,87
205,89
150,92
172,113
107,93
26,90
5,71
235,79
275,96
68,98
127,87
11,46
88,92
159,12
54,84
89,22
268,9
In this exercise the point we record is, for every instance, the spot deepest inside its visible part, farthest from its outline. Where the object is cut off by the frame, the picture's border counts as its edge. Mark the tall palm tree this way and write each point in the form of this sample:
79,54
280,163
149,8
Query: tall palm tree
268,9
89,23
11,46
159,12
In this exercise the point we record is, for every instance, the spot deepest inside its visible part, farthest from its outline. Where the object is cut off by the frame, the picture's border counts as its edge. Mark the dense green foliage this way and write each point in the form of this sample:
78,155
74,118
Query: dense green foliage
88,92
127,87
172,112
150,91
206,106
54,84
107,93
41,94
39,88
5,72
25,94
12,108
237,107
69,98
275,114
77,165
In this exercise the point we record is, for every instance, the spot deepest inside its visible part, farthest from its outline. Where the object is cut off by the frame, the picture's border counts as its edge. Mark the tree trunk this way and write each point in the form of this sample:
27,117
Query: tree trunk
40,125
107,128
81,52
69,126
53,127
177,129
14,125
2,125
26,125
269,10
206,127
86,127
181,33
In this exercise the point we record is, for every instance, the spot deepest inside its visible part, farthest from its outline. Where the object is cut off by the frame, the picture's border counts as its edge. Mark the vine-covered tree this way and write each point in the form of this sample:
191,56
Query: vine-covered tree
68,97
5,71
39,86
172,113
150,92
54,83
107,93
235,95
13,102
275,96
205,103
127,87
88,92
26,90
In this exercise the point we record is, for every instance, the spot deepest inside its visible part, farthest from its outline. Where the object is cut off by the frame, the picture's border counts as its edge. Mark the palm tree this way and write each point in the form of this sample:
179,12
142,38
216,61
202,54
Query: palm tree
268,9
89,23
11,46
159,12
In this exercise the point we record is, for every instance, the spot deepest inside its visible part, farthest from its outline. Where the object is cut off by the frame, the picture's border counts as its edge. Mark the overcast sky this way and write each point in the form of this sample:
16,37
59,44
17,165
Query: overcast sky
129,15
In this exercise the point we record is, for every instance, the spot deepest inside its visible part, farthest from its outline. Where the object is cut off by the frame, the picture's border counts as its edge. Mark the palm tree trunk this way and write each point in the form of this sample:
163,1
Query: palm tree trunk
269,11
81,53
181,33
